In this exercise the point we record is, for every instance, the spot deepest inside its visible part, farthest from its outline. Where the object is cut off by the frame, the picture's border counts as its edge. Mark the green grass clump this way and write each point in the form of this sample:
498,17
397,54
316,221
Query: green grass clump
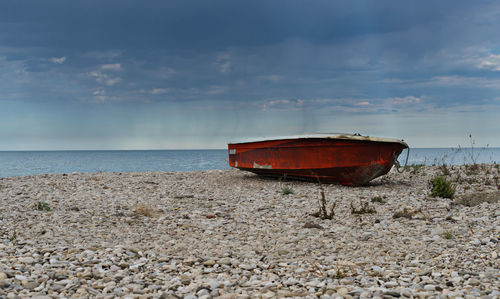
441,187
377,199
447,235
13,236
286,190
42,206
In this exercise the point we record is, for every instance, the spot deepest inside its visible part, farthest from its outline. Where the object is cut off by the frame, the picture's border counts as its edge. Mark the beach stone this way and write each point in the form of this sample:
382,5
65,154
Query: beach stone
224,261
3,283
203,292
31,285
247,266
407,292
430,287
27,260
476,242
392,293
20,277
391,284
97,243
209,263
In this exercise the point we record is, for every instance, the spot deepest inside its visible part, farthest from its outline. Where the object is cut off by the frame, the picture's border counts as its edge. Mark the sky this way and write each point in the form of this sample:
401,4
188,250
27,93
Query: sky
122,74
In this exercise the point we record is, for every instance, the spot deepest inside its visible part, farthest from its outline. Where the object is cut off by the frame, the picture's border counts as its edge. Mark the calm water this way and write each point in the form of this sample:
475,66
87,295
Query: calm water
19,163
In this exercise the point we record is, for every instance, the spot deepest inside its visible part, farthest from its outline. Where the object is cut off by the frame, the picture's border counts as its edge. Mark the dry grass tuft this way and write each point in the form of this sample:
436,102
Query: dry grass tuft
405,213
323,213
144,210
365,208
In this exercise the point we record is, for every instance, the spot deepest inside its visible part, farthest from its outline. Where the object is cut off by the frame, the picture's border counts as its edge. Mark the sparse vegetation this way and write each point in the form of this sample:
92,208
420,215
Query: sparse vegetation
444,169
405,213
473,158
322,212
364,209
378,199
459,179
447,235
471,169
415,168
42,206
144,210
441,187
340,274
341,270
286,190
13,236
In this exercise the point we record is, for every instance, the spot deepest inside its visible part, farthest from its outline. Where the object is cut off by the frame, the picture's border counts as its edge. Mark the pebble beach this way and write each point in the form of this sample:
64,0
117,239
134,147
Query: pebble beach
232,234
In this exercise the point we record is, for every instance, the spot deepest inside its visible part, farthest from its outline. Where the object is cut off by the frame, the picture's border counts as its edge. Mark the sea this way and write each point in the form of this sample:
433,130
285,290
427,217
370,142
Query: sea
23,163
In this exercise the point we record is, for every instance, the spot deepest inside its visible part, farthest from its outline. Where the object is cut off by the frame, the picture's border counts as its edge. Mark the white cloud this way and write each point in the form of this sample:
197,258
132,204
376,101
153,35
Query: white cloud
159,90
490,62
284,104
112,81
465,81
405,100
59,60
364,103
156,91
98,92
272,78
105,78
100,95
111,67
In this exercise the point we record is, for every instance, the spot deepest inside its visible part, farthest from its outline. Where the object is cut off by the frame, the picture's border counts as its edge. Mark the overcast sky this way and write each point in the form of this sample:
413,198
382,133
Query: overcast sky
120,74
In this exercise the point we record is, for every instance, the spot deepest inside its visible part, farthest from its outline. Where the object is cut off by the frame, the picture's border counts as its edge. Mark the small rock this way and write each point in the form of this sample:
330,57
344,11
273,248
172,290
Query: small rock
475,242
27,260
430,287
247,266
20,277
342,291
473,282
391,284
209,263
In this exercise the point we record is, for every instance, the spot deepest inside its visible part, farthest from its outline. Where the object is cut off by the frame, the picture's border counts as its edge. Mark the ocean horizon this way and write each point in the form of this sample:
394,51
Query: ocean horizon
23,163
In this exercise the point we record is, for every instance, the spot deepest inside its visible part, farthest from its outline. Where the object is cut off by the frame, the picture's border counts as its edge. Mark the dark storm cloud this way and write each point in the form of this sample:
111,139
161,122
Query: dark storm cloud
244,66
201,25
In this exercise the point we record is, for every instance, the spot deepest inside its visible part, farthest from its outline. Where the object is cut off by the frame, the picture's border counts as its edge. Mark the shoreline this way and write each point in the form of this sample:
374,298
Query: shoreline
233,234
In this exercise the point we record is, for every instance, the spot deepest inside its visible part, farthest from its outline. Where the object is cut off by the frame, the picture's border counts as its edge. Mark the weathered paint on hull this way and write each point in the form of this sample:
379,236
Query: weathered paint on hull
348,162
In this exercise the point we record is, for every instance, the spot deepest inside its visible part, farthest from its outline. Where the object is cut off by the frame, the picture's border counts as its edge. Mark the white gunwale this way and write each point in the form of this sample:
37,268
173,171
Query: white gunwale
322,135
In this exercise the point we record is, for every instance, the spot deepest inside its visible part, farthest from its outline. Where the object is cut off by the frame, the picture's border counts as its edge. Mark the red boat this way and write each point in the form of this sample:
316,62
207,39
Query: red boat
343,158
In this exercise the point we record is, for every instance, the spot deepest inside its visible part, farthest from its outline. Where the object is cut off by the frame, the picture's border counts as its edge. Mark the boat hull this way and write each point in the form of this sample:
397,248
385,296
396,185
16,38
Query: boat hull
348,161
